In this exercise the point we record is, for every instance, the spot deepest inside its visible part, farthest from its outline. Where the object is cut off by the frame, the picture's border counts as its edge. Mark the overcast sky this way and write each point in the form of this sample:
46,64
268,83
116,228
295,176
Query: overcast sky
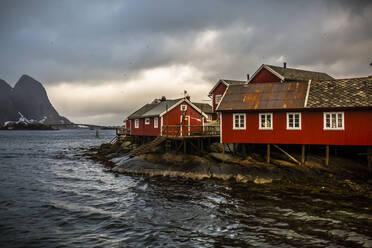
100,60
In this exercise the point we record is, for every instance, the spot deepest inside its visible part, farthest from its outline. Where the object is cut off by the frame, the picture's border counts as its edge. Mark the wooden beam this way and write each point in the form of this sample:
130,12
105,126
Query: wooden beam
327,155
268,153
223,152
287,154
303,154
369,157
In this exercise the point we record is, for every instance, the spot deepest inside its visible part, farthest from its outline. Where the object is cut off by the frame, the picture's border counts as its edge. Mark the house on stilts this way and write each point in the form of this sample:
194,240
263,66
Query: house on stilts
280,105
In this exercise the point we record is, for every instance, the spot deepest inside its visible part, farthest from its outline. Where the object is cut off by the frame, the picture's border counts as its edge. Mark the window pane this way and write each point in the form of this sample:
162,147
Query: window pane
339,120
328,121
268,122
263,120
333,121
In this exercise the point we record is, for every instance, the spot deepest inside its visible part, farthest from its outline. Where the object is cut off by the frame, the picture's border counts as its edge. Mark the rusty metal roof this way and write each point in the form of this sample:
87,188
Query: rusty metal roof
267,96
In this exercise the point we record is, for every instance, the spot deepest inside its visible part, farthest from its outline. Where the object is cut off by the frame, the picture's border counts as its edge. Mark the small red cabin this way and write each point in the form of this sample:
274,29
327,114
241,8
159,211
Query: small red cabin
178,115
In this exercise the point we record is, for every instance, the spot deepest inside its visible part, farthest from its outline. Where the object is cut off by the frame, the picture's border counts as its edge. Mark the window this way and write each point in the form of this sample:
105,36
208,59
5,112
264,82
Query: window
217,99
136,123
147,121
266,121
183,107
333,120
156,122
238,121
294,121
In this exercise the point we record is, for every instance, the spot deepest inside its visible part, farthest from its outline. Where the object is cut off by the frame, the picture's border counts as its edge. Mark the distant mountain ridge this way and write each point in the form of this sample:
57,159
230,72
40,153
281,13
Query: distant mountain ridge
28,98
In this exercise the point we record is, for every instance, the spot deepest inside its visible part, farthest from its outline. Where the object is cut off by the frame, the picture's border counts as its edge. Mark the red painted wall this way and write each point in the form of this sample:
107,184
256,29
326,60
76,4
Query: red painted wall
357,130
219,90
174,118
145,130
264,76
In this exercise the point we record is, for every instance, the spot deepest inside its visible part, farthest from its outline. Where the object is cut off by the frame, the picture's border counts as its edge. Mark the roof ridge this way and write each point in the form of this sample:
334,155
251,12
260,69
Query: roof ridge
291,68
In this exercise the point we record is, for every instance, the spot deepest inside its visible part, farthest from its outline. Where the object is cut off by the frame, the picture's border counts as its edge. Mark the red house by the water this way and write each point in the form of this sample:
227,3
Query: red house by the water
178,115
280,105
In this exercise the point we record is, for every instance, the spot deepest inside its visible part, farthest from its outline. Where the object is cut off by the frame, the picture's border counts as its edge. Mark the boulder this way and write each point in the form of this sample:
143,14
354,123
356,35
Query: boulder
125,144
227,158
217,147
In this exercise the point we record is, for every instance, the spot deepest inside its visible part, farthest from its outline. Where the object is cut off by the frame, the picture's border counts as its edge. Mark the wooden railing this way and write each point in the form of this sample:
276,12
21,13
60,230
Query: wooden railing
182,130
121,131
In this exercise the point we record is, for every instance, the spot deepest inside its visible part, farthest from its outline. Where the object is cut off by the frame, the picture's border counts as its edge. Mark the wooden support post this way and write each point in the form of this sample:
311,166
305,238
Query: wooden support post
184,146
369,157
223,152
244,150
268,153
303,155
327,155
287,154
201,145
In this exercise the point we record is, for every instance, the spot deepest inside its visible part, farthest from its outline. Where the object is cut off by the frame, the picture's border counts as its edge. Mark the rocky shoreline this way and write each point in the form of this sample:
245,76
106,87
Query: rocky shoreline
343,177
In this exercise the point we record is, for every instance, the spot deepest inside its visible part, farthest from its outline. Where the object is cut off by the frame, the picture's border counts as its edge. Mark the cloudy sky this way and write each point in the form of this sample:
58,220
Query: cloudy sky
100,60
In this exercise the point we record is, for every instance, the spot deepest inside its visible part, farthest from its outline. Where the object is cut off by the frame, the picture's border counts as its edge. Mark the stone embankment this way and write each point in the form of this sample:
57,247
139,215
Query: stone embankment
341,175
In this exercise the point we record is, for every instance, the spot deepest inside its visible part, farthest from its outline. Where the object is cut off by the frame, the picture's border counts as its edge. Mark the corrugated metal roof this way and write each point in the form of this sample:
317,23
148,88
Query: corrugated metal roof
289,95
291,74
352,92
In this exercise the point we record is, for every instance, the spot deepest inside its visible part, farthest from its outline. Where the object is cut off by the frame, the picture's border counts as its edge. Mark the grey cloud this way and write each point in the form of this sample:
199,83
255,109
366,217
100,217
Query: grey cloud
93,42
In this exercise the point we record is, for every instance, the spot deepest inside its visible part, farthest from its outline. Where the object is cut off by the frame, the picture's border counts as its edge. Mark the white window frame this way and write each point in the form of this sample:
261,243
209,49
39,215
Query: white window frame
156,122
136,123
217,99
183,107
259,121
337,115
293,122
147,121
244,118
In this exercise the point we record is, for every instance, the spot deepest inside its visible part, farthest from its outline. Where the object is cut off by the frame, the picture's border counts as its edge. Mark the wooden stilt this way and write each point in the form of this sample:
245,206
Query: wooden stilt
184,147
223,152
303,154
244,150
369,157
201,146
268,153
287,154
327,155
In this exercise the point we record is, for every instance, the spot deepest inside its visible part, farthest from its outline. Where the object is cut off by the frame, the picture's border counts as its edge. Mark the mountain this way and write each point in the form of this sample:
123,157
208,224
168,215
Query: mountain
28,98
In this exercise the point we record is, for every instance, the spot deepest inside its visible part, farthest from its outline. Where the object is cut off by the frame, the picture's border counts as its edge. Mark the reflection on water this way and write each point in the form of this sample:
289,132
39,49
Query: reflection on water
50,196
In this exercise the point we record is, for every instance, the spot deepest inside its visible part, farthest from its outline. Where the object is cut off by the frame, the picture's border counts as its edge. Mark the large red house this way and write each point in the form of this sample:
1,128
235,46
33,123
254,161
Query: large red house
180,115
283,110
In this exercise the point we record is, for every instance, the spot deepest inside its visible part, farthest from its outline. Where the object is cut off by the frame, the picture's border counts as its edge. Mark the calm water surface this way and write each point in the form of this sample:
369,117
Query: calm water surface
50,196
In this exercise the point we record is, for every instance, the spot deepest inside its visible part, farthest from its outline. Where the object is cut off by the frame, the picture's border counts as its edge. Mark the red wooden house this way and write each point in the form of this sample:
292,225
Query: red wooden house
279,105
180,115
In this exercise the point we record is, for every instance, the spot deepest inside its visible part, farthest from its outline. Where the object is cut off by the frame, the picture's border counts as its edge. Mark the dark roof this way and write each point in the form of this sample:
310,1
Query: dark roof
142,110
229,82
160,107
204,107
291,74
288,95
157,107
352,92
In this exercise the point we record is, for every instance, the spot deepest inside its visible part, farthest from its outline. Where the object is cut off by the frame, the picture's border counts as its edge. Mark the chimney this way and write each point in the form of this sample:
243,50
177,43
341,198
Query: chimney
247,76
284,64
